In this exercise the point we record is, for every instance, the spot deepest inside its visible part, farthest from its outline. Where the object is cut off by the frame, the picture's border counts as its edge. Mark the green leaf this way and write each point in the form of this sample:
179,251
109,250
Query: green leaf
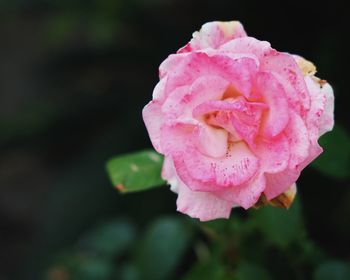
335,160
249,271
279,226
136,172
206,270
334,270
162,248
110,239
76,266
94,269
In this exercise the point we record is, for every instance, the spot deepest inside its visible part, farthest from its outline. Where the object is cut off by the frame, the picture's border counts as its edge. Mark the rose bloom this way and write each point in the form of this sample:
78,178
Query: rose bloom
236,120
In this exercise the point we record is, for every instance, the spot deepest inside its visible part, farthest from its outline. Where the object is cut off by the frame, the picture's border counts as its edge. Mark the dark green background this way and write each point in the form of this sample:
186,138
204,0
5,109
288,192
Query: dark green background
74,76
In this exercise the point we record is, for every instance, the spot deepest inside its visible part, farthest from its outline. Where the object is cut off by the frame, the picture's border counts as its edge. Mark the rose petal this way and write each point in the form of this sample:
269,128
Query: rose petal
175,105
184,99
273,154
298,137
287,72
278,183
247,46
320,117
178,141
176,137
318,101
237,116
153,118
245,195
213,35
326,122
274,95
212,142
202,205
200,172
185,69
169,174
237,167
159,90
187,178
314,151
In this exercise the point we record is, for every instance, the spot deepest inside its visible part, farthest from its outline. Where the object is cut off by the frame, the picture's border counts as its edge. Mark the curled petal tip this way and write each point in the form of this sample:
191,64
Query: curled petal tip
306,66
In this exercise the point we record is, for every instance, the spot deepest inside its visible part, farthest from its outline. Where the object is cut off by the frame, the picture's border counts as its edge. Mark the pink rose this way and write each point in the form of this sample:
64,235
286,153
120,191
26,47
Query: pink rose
235,119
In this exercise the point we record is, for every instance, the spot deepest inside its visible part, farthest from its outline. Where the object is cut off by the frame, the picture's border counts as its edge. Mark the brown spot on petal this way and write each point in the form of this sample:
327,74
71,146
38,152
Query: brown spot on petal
322,83
319,81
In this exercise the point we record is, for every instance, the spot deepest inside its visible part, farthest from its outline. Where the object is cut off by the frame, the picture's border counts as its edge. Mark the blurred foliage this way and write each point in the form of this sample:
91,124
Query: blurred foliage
332,270
162,248
281,227
335,161
75,76
114,251
110,239
267,244
247,271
